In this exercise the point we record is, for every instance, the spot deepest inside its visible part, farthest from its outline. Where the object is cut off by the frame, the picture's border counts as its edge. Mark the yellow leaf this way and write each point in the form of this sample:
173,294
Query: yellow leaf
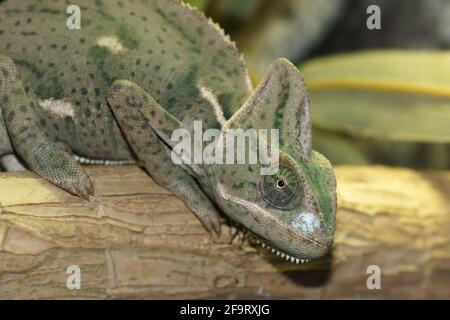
395,95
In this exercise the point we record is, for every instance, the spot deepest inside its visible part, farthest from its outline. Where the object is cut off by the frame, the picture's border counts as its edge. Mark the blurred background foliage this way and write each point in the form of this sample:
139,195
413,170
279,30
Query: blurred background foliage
377,96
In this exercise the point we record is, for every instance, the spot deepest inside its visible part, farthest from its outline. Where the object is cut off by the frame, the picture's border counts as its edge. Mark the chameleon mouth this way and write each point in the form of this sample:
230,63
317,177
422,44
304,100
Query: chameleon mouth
278,252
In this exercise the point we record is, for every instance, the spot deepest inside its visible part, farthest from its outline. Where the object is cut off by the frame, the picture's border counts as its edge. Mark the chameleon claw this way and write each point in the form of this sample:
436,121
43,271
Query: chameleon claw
216,225
84,190
214,228
236,235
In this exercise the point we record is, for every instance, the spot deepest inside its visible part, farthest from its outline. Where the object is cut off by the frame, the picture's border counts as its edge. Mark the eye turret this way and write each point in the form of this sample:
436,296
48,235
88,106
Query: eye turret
281,190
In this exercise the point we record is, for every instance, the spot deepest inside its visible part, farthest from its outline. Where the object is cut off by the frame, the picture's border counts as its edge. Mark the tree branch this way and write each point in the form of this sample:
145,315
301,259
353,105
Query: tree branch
136,240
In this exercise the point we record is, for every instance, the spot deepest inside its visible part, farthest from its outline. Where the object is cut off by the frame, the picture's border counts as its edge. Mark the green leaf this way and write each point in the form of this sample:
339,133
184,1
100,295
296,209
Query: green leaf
392,95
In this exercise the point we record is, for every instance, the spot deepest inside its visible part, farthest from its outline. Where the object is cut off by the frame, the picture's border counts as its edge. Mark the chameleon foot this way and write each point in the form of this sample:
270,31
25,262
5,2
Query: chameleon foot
40,154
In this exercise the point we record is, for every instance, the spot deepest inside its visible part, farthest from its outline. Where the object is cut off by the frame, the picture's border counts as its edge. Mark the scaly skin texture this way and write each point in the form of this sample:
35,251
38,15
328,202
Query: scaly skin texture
115,91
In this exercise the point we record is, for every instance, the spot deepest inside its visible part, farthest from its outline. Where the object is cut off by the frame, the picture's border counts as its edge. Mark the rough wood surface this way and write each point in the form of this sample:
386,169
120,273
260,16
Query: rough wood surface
136,240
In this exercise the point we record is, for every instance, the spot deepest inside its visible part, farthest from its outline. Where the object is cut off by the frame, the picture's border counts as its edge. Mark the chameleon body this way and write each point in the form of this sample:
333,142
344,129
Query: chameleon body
115,90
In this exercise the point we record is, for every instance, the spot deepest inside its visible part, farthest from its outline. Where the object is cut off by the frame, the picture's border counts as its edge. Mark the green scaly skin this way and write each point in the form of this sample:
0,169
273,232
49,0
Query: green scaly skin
115,91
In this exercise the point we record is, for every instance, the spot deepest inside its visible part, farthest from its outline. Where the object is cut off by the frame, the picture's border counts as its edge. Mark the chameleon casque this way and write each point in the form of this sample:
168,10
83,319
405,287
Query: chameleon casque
114,91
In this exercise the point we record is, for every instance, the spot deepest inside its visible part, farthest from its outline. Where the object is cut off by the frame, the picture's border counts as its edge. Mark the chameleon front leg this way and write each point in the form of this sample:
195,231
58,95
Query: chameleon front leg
40,154
128,102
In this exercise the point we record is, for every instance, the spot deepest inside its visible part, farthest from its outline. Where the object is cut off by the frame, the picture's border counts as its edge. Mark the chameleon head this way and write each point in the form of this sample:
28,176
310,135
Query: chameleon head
292,210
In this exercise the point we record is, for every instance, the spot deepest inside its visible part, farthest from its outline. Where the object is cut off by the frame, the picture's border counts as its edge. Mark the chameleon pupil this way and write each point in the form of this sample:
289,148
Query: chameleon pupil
280,184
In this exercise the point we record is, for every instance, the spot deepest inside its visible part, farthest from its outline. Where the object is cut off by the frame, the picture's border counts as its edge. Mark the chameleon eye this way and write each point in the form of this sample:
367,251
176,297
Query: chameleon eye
280,190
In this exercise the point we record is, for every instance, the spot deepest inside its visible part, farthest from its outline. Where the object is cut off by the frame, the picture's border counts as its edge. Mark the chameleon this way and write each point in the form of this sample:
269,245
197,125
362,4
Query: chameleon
113,91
